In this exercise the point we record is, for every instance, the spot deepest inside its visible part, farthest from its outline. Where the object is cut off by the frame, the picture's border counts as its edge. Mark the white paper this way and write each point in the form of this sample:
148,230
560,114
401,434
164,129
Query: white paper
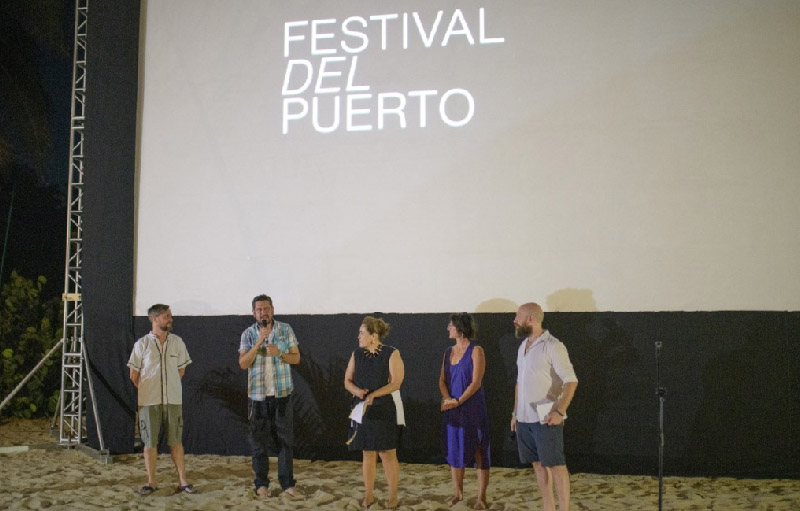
358,412
398,404
542,409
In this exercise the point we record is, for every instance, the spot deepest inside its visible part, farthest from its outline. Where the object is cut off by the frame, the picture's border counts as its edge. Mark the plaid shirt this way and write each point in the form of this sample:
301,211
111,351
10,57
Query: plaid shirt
281,336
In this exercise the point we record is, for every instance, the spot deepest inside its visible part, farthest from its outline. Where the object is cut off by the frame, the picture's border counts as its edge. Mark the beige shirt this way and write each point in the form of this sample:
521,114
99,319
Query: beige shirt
158,366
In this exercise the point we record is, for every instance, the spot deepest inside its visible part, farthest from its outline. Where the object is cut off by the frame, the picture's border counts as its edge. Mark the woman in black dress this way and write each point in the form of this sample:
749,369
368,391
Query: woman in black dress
374,371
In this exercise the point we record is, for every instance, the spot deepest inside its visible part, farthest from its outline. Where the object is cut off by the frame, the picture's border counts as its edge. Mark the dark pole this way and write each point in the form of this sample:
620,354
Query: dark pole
5,240
661,392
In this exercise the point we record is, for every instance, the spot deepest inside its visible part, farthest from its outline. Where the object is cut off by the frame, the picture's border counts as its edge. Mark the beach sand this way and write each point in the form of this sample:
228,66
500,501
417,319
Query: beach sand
51,477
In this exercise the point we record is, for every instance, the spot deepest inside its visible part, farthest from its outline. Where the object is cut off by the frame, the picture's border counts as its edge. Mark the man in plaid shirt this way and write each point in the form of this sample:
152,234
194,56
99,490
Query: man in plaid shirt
267,350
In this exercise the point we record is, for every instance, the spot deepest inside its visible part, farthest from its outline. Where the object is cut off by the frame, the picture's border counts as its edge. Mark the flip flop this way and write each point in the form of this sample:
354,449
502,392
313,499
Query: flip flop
188,489
145,490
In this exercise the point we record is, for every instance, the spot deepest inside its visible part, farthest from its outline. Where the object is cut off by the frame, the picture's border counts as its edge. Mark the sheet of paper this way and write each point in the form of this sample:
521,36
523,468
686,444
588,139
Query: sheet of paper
542,409
358,412
398,404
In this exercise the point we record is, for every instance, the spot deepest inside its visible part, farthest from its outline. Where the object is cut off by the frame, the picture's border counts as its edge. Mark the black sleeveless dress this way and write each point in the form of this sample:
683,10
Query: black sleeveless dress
378,430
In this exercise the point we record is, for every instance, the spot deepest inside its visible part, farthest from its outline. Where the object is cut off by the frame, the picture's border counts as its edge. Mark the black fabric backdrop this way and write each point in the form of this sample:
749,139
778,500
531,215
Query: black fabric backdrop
731,377
109,184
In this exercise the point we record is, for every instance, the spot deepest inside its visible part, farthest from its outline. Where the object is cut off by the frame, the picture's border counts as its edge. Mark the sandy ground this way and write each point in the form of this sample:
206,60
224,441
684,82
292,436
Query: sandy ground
49,477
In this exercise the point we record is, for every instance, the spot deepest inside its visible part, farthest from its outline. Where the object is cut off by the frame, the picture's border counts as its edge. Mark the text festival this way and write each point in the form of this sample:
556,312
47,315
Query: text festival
353,106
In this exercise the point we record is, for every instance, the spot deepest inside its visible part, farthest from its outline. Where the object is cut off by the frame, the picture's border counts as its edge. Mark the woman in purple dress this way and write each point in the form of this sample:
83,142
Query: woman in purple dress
465,422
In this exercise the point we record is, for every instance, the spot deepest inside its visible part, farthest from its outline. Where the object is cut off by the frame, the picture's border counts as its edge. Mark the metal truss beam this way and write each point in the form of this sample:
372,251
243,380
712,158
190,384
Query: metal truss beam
74,363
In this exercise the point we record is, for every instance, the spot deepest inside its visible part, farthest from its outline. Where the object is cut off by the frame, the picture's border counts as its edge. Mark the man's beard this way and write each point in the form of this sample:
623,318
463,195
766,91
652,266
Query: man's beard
523,331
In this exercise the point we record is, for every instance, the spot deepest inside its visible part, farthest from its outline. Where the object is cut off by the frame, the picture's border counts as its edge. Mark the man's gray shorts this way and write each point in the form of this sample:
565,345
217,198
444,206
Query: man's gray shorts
540,442
154,418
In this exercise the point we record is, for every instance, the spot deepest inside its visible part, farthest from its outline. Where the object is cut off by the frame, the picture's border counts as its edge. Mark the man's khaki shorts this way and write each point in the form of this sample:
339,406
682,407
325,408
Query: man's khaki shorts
151,420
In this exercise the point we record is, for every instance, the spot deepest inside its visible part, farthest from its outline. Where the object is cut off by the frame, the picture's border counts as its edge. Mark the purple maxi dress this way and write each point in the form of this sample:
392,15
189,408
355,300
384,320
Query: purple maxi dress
465,428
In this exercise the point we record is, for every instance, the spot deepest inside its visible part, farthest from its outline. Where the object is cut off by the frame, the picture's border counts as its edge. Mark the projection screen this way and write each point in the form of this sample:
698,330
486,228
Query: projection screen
418,156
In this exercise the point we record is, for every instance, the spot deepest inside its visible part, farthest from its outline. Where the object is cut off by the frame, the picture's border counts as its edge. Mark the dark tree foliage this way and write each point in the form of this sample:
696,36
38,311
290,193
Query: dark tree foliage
29,327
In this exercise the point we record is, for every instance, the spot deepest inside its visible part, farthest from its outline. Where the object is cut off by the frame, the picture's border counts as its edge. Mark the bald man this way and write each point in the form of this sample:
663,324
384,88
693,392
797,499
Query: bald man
546,383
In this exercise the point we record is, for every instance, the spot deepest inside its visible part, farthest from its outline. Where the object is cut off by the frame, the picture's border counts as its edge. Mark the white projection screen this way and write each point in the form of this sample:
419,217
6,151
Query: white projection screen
422,156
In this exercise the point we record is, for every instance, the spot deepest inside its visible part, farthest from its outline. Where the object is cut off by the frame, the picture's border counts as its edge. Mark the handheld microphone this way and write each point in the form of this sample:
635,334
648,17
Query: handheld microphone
264,324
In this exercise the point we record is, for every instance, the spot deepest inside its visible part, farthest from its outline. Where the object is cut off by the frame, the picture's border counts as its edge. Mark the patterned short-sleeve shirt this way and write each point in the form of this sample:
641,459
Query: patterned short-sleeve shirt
281,336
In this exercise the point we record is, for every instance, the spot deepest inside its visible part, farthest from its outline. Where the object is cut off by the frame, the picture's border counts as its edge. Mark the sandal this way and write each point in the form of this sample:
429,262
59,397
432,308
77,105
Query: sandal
145,490
188,489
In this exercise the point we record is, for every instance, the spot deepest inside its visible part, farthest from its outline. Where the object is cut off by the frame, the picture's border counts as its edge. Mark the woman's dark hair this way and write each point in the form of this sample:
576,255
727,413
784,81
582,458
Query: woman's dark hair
464,324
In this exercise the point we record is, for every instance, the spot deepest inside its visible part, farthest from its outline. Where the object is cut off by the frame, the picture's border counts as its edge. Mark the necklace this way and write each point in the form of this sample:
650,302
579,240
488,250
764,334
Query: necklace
373,354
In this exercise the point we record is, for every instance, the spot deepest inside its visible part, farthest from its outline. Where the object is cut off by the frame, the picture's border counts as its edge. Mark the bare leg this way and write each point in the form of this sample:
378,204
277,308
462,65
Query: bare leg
483,480
458,485
176,451
561,482
391,469
483,483
150,458
545,482
368,467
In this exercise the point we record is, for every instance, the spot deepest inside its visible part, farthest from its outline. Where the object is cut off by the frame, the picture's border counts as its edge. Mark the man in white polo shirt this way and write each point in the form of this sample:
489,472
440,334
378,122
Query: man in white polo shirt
546,383
157,364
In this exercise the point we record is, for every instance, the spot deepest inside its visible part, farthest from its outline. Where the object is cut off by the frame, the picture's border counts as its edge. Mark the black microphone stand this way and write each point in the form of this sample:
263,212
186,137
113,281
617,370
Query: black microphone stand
661,392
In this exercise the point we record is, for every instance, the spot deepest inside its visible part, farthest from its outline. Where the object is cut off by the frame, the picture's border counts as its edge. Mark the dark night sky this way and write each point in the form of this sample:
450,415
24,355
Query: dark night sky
55,71
37,56
56,74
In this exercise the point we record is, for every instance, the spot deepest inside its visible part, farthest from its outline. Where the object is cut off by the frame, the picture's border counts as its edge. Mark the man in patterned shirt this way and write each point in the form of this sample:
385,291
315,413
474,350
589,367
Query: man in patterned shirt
267,350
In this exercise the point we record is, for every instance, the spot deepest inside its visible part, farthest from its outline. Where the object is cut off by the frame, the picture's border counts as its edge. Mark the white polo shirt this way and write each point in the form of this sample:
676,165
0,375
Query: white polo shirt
541,375
159,379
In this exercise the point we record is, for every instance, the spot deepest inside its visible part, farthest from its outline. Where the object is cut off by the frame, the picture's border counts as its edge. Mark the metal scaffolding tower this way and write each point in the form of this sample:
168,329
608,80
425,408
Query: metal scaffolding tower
75,368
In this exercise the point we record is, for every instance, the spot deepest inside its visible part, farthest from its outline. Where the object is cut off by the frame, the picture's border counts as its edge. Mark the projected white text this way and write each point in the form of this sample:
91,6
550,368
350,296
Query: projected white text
335,99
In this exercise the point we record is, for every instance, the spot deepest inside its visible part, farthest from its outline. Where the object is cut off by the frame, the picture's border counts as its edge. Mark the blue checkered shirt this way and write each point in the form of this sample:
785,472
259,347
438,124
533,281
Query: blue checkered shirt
281,336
